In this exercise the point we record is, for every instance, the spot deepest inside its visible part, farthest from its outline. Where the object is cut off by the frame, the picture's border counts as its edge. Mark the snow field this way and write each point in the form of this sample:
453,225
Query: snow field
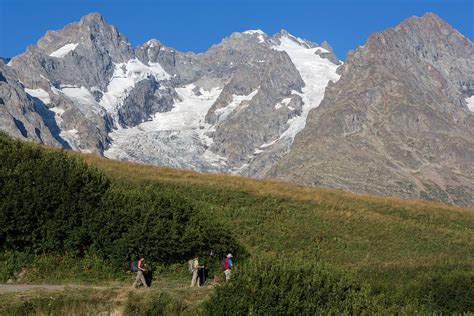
64,50
316,73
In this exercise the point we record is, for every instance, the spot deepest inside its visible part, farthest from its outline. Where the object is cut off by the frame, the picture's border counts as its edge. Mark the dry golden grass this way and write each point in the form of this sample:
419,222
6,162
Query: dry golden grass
131,171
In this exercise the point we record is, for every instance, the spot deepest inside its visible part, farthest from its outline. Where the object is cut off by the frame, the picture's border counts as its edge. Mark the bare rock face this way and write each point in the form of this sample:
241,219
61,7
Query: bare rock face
21,116
79,59
81,54
261,78
329,53
147,97
396,123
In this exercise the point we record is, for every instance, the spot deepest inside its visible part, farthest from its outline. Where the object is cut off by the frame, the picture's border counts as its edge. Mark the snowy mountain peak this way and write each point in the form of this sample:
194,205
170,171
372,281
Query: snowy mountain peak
153,43
259,34
285,41
254,32
283,35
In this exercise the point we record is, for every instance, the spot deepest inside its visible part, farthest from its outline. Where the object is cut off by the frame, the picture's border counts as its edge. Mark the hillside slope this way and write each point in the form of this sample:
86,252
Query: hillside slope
374,235
406,250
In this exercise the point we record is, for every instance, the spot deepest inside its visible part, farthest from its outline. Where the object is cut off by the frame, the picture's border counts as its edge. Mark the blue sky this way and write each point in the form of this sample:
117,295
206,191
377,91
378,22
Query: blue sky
195,25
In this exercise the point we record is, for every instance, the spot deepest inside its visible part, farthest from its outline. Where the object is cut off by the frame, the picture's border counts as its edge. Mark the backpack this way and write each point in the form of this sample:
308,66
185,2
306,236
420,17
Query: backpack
225,263
190,266
133,266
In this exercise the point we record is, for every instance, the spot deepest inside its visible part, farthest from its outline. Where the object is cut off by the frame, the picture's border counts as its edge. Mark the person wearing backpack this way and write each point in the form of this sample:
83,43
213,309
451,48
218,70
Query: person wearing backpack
133,266
140,273
195,269
227,266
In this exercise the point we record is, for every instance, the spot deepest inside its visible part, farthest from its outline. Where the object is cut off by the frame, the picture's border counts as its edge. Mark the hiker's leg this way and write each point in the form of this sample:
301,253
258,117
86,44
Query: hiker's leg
193,280
201,277
195,277
142,278
137,279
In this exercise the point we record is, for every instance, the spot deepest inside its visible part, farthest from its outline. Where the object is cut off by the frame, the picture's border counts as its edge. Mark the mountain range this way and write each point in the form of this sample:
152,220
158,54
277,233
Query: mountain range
395,118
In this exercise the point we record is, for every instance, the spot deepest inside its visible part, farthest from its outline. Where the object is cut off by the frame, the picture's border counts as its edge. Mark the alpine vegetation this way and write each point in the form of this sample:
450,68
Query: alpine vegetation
53,203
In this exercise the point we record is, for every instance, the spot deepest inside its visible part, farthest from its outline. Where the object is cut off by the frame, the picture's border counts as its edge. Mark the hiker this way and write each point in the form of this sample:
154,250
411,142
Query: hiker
133,266
195,270
227,265
202,275
140,273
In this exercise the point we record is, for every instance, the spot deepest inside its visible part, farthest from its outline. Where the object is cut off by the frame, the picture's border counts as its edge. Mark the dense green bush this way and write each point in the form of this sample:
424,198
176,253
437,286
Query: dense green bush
162,226
44,198
447,293
52,202
11,261
270,286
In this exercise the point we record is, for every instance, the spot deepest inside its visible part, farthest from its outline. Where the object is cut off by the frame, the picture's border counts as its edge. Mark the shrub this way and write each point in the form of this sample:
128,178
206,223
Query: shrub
44,197
269,286
11,262
161,226
54,203
448,293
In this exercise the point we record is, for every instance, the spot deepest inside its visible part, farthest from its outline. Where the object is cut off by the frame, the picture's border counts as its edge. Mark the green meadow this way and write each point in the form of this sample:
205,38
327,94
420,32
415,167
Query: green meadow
78,220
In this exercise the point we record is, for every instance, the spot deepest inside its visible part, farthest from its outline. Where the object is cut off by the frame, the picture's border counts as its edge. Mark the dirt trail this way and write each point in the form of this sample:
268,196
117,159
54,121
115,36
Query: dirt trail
11,288
15,288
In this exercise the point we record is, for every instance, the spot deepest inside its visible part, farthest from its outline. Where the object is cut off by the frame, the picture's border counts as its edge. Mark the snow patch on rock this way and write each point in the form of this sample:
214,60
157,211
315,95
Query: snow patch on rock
58,112
123,80
39,94
70,136
282,103
83,99
237,102
470,103
64,50
259,33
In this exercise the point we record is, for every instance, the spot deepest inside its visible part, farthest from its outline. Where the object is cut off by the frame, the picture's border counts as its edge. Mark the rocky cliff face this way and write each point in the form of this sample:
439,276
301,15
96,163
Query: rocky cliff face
22,115
397,122
71,68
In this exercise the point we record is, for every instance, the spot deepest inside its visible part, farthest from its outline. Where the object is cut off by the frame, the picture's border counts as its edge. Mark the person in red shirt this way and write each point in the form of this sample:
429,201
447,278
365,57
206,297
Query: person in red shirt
140,273
228,262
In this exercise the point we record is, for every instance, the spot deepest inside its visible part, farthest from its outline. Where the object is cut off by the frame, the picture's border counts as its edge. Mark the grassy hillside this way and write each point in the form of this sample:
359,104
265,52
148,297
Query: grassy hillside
409,248
405,250
366,233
